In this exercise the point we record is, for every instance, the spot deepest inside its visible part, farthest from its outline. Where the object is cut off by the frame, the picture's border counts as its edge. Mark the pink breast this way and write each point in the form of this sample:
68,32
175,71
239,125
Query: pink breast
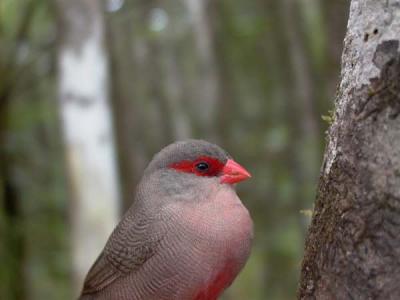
221,226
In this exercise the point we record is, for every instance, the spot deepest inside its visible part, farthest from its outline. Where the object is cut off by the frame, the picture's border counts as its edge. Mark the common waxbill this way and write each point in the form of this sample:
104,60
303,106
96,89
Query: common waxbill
187,234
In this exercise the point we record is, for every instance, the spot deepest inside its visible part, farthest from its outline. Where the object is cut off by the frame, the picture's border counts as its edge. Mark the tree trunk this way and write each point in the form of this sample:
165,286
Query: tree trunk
87,128
353,247
207,91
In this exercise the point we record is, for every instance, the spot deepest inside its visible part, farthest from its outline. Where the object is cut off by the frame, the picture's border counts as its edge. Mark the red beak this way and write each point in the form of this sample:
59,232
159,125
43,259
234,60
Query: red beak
233,172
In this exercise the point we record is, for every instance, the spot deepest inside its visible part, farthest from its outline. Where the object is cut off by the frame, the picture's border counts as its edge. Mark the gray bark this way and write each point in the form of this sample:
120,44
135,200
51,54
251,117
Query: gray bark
353,247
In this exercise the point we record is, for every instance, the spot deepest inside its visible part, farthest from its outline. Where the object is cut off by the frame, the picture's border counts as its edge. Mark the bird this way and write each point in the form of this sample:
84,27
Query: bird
186,236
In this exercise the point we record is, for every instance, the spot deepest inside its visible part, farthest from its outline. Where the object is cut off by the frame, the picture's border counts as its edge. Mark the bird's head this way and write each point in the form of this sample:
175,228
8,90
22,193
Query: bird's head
197,161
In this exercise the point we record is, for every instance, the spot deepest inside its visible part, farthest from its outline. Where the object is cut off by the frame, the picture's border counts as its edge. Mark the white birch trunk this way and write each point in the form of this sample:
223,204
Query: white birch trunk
87,129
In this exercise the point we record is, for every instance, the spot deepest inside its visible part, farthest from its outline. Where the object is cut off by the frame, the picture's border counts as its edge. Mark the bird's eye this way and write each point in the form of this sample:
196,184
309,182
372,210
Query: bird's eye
202,166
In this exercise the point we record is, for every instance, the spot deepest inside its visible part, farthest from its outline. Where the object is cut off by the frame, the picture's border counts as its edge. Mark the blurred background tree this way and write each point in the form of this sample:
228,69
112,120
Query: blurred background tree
252,76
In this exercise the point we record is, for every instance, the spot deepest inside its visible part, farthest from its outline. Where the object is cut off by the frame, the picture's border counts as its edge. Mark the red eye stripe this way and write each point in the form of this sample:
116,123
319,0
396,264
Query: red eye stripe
215,166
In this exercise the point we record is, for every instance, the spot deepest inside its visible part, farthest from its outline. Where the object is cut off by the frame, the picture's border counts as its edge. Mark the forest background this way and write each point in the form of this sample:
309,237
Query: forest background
256,77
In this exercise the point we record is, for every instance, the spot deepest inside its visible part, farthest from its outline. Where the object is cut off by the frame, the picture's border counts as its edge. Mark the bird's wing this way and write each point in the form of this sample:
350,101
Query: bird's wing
131,244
